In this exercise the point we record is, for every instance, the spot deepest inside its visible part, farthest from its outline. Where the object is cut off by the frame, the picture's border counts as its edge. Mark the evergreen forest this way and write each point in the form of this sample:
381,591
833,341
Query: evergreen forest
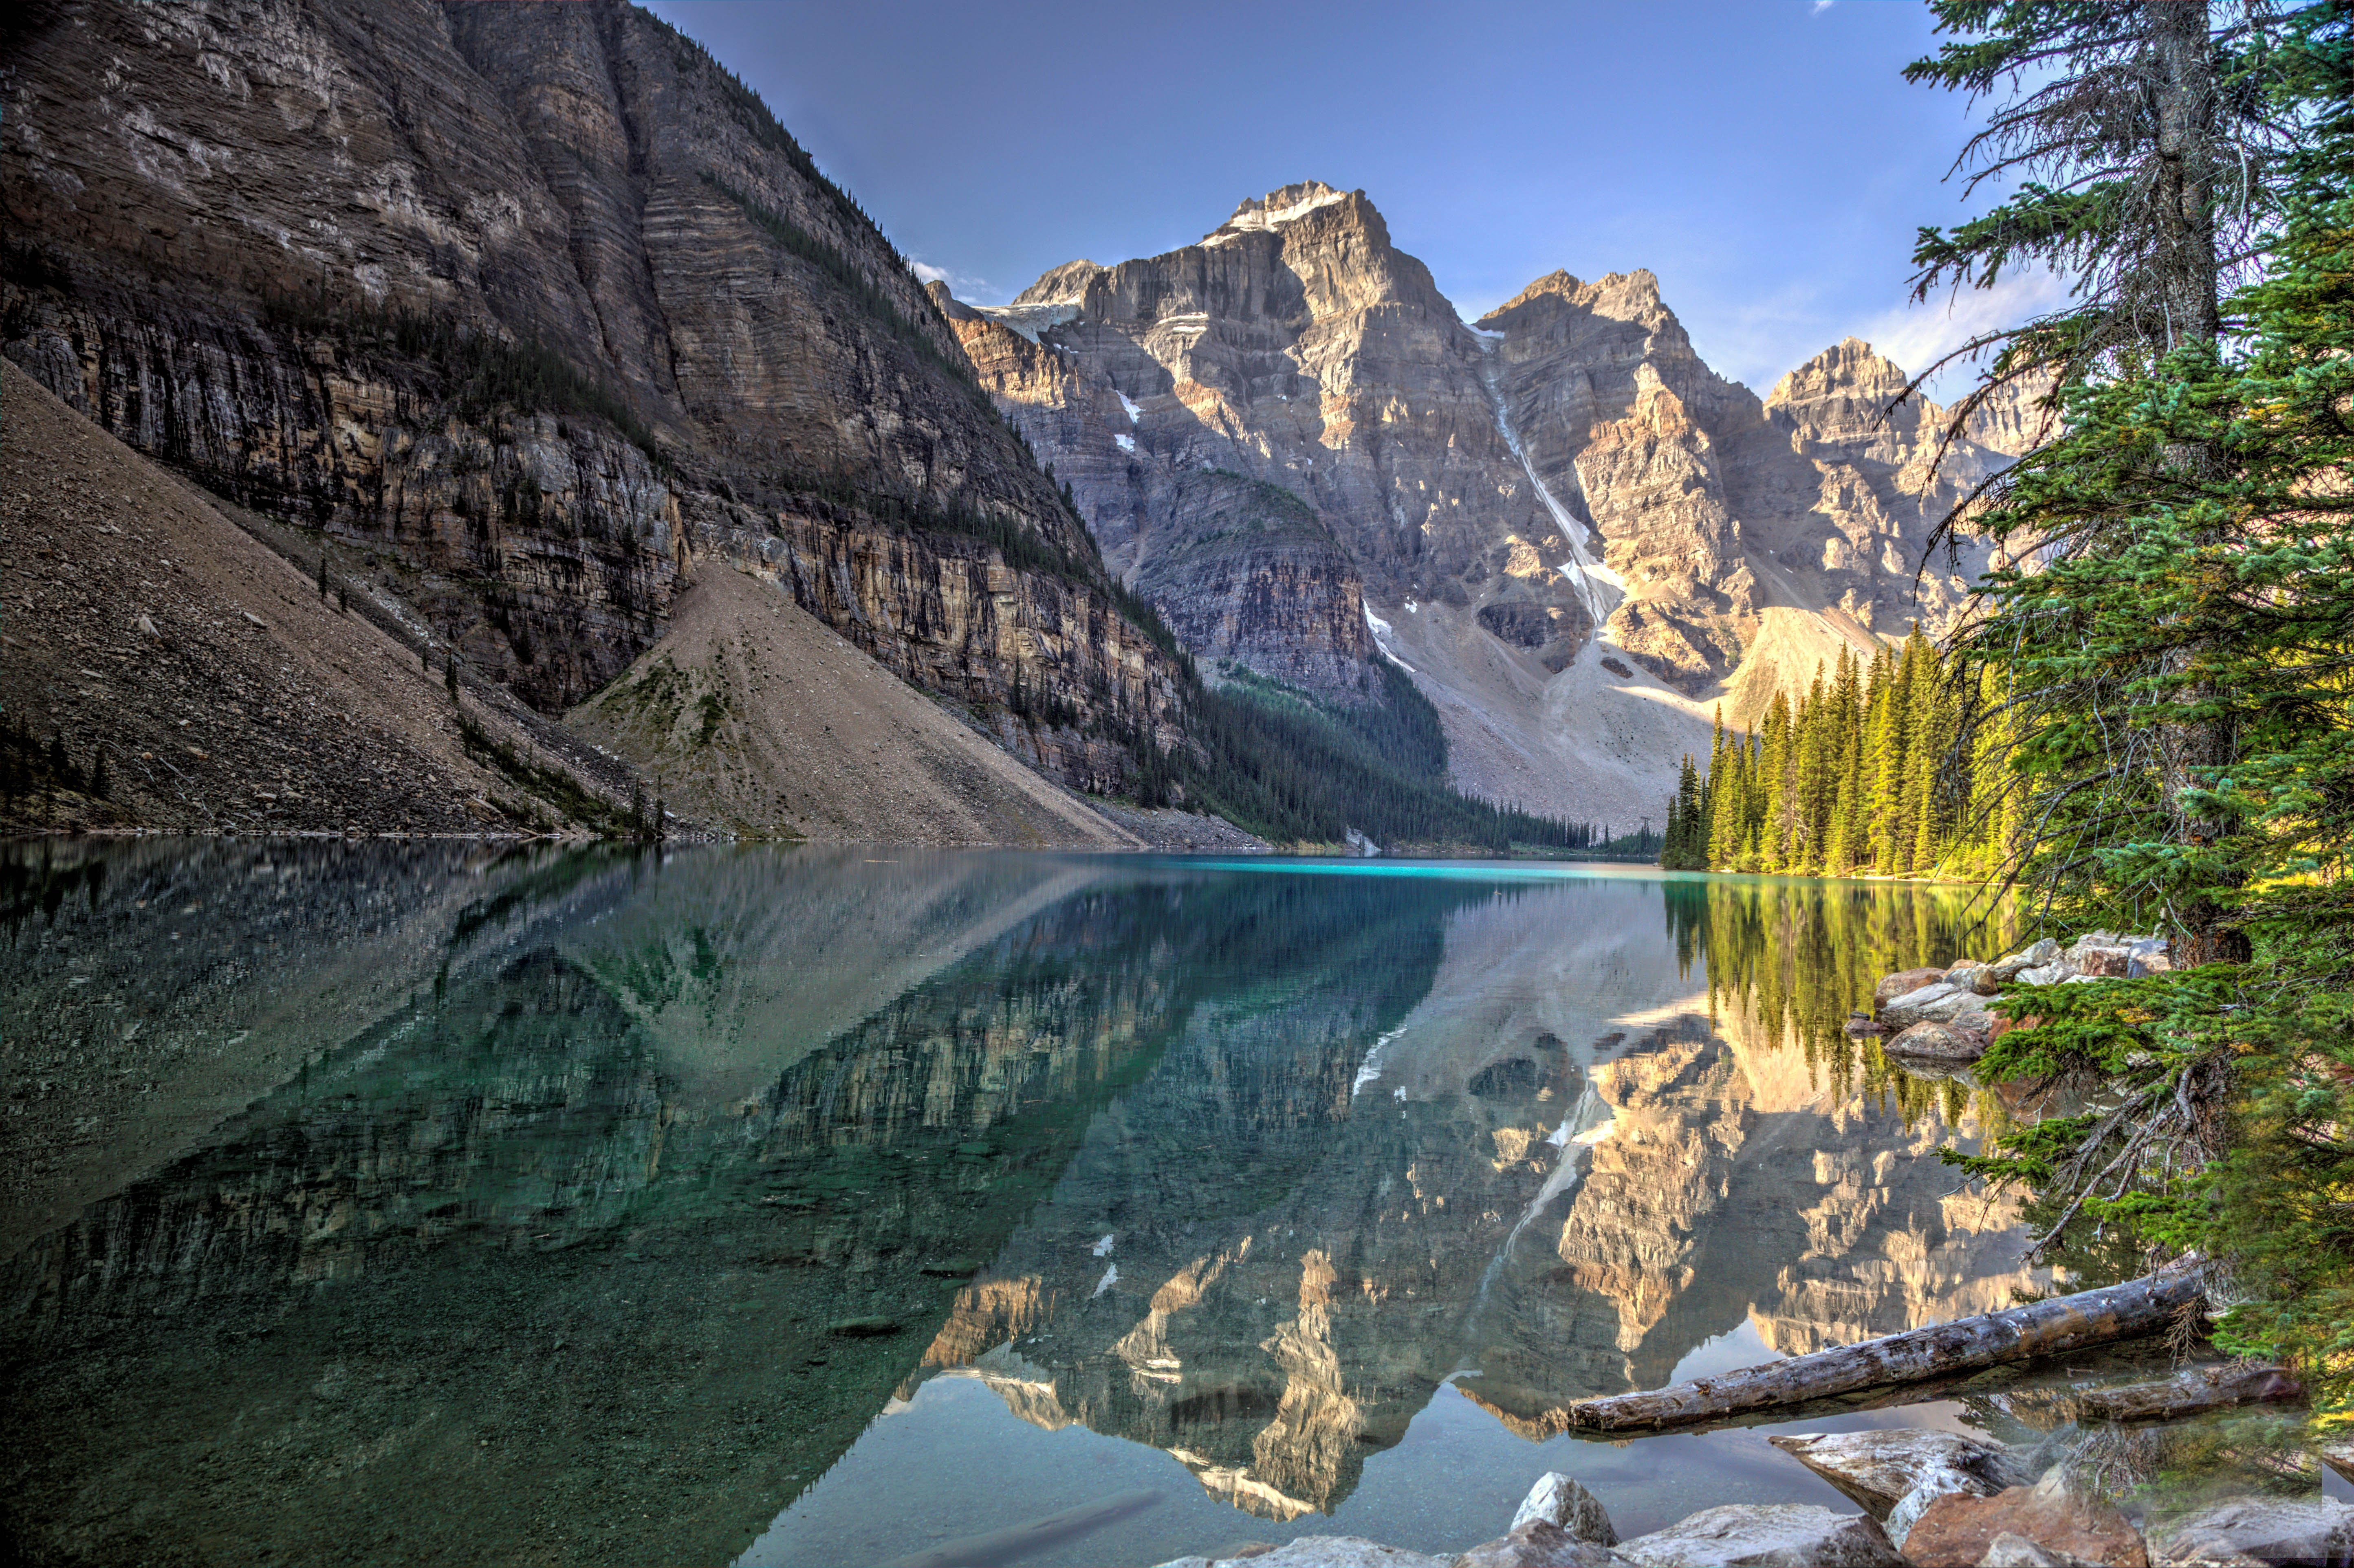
2145,721
1861,777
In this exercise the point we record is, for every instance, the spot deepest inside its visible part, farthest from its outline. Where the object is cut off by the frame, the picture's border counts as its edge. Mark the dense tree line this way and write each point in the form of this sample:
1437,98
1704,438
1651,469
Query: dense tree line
1794,963
1862,776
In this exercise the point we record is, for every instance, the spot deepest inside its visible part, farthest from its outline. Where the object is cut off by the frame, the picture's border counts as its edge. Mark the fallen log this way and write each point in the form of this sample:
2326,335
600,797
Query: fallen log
2194,1390
2063,1323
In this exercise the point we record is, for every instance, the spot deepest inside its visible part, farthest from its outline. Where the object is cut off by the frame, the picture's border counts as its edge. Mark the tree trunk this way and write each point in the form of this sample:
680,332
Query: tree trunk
2182,70
2188,286
2127,1311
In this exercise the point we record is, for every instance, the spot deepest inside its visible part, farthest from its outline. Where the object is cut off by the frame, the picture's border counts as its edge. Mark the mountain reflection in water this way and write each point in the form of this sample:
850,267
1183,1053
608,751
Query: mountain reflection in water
568,1205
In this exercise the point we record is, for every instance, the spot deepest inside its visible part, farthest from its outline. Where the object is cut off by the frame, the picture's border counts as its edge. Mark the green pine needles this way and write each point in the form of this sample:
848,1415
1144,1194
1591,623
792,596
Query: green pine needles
1865,775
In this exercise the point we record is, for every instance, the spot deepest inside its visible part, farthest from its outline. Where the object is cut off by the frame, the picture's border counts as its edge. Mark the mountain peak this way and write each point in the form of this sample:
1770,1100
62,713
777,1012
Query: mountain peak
1623,295
1848,368
1276,209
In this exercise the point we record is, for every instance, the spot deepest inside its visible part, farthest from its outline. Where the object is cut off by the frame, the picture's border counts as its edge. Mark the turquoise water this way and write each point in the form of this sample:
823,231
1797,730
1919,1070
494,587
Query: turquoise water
431,1203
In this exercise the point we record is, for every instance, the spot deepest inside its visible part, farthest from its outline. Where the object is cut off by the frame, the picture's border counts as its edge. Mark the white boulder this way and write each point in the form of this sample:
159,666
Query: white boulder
1540,1543
1558,1499
1878,1469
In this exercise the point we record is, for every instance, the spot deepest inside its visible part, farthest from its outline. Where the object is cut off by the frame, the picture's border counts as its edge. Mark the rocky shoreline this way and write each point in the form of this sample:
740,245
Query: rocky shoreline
1930,1499
1938,1018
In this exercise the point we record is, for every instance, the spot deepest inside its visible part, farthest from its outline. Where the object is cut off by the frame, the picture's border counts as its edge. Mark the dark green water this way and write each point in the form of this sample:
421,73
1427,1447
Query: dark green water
431,1203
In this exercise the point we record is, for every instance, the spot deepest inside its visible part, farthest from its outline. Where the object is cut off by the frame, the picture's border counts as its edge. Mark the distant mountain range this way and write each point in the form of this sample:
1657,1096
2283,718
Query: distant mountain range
528,318
1579,538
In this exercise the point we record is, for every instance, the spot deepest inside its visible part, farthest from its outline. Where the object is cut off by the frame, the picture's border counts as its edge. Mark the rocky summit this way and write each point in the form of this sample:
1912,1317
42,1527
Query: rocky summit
1577,535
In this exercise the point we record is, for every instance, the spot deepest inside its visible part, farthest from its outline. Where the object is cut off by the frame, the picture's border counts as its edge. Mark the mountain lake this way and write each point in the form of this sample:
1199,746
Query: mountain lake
436,1201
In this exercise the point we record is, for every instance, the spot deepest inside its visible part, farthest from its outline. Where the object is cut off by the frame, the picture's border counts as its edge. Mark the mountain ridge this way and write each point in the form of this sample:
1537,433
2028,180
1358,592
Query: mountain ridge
1520,507
526,312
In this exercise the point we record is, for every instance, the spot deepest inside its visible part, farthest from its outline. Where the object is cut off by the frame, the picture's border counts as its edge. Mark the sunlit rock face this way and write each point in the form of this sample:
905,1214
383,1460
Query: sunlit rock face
1294,346
1500,494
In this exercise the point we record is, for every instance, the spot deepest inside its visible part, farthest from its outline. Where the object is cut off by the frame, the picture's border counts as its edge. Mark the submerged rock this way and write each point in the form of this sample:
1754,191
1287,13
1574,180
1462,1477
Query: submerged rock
1540,1543
1560,1500
2192,1392
2259,1531
1877,1469
1766,1535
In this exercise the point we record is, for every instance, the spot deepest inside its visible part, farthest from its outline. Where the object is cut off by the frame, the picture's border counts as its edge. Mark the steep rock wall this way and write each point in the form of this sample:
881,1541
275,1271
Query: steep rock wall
513,301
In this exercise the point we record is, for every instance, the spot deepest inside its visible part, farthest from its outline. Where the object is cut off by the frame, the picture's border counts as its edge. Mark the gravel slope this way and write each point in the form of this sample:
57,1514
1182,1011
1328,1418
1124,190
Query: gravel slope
227,694
754,716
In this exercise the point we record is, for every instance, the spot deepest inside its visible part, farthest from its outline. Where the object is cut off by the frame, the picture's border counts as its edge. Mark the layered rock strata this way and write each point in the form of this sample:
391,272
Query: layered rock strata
535,304
1561,483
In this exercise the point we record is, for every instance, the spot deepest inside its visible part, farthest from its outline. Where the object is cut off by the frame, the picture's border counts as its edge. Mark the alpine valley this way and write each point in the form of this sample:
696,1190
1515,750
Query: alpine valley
530,329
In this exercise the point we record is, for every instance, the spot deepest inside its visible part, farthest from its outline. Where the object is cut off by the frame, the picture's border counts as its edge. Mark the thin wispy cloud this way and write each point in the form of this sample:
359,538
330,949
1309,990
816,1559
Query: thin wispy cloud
1917,335
960,283
1821,6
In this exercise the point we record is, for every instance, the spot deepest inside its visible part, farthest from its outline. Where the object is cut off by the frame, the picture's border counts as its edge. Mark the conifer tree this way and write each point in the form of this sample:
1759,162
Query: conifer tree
2169,679
1883,763
1818,747
1778,762
1843,837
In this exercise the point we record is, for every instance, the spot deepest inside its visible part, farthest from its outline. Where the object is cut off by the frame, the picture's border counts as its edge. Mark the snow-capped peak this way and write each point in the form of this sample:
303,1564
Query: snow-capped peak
1274,210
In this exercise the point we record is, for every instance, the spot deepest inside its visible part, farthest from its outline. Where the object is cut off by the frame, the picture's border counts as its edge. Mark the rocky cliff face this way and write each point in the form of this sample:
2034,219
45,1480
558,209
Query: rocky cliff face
529,306
1577,534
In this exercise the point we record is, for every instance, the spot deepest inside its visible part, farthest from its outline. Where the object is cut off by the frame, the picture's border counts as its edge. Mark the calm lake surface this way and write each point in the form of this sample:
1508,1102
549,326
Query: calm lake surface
437,1202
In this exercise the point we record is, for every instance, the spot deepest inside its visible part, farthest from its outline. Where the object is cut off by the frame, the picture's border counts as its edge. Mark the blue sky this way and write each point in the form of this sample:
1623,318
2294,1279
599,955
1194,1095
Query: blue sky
1764,157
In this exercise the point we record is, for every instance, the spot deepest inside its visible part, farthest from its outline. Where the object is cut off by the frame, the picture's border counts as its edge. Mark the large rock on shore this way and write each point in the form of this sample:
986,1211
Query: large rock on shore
1958,1531
1938,1003
1877,1469
1558,1499
2259,1531
2034,955
1894,986
1539,1543
1939,1043
1766,1535
2339,1456
1975,977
